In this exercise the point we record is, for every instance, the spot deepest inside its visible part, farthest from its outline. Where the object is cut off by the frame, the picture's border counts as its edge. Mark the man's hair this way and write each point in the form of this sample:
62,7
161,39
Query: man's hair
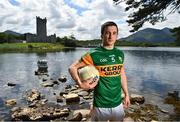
106,24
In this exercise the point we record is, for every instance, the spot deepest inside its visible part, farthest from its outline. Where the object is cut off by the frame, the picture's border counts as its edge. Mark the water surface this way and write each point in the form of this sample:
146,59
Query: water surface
151,72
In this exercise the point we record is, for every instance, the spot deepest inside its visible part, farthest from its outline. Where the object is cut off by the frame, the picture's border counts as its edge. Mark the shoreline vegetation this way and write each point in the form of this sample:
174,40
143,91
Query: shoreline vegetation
53,47
31,47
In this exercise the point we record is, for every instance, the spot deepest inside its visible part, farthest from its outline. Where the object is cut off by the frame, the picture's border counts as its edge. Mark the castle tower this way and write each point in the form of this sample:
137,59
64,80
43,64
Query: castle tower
41,29
41,33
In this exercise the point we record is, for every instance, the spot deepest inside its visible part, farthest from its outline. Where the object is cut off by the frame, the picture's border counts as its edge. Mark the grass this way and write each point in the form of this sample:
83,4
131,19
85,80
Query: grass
30,47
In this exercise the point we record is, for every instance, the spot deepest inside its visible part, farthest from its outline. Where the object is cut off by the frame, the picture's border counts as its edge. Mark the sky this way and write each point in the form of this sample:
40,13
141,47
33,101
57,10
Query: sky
81,18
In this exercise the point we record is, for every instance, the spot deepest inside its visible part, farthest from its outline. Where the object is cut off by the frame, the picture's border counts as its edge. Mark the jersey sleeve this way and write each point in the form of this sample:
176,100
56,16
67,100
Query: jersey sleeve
87,59
122,57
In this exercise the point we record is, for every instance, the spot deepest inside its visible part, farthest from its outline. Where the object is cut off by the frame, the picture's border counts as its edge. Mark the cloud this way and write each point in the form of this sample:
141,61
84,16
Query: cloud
98,12
82,18
81,3
66,24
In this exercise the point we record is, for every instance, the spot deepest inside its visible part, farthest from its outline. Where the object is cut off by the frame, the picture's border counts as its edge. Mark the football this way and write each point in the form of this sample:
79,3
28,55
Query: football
88,72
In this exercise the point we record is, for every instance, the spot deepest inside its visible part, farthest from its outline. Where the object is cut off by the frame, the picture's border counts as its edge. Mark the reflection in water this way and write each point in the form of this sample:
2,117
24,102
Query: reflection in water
68,49
150,72
153,74
153,70
41,54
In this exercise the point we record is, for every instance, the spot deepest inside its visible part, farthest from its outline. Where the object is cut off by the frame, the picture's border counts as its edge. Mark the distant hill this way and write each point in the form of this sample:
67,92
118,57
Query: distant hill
151,35
12,33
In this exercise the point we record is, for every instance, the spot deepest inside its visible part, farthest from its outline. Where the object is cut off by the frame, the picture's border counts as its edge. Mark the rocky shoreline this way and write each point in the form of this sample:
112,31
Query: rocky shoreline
39,109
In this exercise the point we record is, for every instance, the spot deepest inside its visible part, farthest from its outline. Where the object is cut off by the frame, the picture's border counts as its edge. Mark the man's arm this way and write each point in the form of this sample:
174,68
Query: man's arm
125,87
73,70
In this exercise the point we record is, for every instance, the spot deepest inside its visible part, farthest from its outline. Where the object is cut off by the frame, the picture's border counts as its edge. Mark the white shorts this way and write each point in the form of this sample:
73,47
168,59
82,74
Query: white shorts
105,114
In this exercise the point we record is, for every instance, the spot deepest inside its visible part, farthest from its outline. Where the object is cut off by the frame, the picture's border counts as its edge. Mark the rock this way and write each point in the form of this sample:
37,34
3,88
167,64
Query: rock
77,86
85,112
87,97
38,103
72,98
144,112
45,78
10,102
40,113
61,113
174,94
68,87
33,95
139,120
33,104
84,119
44,101
48,84
55,82
15,109
11,84
41,73
128,119
76,91
73,88
20,113
137,98
83,93
36,116
36,72
135,106
59,99
76,117
62,93
62,79
164,111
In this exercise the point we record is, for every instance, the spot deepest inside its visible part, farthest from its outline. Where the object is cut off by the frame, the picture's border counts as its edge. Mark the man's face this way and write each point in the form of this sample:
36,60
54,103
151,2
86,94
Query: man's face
109,36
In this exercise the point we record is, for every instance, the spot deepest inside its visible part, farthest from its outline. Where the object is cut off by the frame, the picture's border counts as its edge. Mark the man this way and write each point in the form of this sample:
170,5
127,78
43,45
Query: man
107,101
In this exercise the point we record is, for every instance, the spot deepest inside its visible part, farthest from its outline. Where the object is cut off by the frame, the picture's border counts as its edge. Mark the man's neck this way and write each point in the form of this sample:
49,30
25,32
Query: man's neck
108,47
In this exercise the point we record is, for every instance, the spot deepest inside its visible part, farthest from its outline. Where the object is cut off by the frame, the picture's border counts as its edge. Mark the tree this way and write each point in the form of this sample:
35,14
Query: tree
176,32
151,11
67,41
2,38
72,37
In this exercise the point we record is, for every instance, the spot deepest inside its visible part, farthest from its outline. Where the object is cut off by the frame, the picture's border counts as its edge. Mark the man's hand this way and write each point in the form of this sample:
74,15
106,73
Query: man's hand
126,101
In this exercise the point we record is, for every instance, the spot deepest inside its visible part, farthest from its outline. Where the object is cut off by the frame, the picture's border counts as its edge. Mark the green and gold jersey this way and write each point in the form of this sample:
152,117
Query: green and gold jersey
109,63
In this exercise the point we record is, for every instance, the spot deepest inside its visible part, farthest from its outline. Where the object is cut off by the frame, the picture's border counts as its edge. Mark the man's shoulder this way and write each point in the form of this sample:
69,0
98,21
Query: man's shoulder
118,50
94,50
91,51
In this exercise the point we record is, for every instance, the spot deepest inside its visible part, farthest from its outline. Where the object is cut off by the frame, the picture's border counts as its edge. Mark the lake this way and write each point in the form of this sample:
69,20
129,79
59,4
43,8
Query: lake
151,72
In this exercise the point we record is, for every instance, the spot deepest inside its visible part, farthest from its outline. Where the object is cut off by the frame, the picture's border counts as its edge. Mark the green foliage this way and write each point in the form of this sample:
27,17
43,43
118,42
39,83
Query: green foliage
88,43
143,44
26,47
67,41
10,38
176,32
151,11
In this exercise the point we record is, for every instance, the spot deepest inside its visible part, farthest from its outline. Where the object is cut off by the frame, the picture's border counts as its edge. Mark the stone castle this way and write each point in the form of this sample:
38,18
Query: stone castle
41,33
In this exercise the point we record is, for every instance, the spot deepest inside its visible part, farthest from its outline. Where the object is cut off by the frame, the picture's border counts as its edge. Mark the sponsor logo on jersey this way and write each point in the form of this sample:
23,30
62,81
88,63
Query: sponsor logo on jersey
110,70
